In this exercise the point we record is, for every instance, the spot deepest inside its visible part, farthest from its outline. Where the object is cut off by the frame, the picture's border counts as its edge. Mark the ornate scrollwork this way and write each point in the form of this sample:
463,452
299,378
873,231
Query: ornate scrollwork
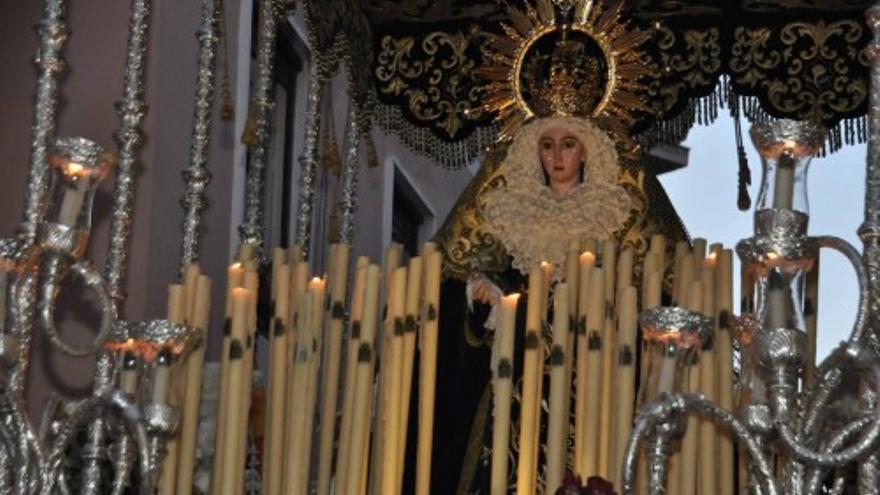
808,61
433,76
689,61
803,70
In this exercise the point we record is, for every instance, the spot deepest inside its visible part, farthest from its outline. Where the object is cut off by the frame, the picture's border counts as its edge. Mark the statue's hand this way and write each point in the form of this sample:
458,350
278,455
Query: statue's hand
480,288
484,290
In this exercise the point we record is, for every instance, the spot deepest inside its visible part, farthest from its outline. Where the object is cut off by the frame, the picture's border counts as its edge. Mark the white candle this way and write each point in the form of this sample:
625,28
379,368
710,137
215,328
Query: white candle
724,307
392,426
707,382
690,441
232,446
162,377
128,380
783,184
428,367
410,330
357,304
557,445
529,423
777,301
335,314
593,374
625,376
73,200
502,369
587,263
360,430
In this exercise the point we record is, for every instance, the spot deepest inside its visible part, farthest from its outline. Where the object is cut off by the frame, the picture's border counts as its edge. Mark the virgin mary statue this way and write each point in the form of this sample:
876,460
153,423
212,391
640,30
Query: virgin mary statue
564,171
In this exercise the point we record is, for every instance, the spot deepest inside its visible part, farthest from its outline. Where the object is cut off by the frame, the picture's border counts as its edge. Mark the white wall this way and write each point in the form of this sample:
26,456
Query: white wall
437,188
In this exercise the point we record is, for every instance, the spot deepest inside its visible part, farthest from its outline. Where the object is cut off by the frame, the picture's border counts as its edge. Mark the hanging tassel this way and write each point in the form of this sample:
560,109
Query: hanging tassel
744,176
249,135
370,147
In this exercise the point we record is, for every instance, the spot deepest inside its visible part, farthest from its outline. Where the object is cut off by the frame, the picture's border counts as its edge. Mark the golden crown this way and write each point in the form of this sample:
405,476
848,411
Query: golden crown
570,90
581,60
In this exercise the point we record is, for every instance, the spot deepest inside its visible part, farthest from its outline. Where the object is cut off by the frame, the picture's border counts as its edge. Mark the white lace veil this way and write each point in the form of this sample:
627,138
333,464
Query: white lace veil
534,224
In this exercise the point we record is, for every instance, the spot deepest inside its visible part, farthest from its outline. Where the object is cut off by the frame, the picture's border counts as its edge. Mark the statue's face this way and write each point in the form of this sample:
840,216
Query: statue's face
562,156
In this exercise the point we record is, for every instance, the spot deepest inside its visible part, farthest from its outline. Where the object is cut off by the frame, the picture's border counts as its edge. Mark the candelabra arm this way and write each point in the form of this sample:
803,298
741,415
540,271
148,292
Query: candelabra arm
830,459
9,454
28,461
869,477
123,460
813,483
666,413
161,421
853,256
828,377
50,280
50,412
658,454
644,422
132,417
690,402
63,487
23,299
137,425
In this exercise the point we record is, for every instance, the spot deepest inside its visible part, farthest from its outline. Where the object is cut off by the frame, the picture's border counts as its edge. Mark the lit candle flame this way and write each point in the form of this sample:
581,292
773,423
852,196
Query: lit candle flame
710,260
74,169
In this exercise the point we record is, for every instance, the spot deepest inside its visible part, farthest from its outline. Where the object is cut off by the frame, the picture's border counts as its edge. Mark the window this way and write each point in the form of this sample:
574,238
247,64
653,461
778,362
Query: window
412,221
406,221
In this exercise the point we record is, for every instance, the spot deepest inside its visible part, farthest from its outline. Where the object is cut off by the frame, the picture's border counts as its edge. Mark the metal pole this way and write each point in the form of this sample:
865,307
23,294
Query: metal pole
197,176
251,231
53,34
131,110
309,159
52,30
870,229
349,186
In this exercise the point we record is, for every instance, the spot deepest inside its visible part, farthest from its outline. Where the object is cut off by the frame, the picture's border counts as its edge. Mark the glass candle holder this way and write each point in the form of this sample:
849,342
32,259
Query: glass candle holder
775,268
786,148
752,389
78,166
672,338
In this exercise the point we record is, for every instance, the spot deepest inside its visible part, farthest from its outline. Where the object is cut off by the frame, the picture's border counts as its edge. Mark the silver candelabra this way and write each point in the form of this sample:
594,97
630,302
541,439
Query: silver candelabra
795,435
127,419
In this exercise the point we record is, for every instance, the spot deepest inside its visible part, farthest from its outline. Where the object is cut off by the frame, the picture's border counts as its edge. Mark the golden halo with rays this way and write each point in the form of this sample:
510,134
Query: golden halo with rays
511,91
